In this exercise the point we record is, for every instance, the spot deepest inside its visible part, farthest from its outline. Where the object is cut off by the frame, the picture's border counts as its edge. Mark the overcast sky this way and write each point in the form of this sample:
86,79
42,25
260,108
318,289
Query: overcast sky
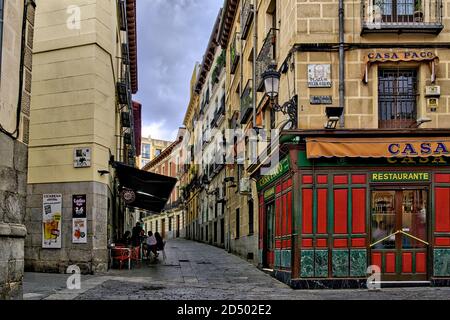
172,36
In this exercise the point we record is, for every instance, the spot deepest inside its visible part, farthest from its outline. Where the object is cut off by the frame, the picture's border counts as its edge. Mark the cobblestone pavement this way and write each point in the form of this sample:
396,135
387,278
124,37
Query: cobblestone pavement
197,271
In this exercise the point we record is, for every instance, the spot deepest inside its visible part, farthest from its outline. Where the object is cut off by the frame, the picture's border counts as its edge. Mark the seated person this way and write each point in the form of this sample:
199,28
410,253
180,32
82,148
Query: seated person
126,238
151,244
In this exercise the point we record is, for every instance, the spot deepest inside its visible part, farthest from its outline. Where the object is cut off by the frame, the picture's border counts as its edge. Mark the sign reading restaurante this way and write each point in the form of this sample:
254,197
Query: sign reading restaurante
399,176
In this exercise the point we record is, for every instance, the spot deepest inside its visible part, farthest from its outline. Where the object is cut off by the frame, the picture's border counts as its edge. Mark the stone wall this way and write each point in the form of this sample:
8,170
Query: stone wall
13,168
91,257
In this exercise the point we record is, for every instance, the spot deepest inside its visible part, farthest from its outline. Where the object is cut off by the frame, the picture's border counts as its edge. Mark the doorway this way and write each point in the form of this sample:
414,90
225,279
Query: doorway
399,236
269,236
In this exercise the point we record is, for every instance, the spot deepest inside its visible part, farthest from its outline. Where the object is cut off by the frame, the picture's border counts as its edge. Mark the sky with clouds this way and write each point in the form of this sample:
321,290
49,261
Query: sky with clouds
172,37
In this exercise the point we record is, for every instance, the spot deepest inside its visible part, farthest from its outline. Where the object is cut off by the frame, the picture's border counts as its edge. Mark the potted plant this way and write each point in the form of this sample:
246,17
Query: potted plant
418,11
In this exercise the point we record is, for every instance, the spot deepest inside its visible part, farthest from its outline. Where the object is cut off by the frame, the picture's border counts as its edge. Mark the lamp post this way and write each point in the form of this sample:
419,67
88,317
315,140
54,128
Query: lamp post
271,78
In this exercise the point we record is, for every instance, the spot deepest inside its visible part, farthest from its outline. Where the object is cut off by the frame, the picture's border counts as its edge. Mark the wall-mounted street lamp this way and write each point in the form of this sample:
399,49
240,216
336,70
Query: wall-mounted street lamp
103,172
334,115
271,78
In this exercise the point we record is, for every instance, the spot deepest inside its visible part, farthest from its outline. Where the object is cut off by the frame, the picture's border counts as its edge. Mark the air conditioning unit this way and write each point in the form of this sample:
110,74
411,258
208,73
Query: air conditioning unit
244,186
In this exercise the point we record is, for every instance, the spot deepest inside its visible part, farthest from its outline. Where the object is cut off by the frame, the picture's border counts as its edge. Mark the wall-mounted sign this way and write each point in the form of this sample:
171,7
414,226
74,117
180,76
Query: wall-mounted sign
79,230
269,193
275,173
82,157
128,195
320,100
51,220
79,206
413,55
401,55
319,75
399,176
423,149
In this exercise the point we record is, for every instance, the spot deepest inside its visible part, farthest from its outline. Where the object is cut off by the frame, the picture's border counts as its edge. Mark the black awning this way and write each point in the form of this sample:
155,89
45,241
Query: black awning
152,190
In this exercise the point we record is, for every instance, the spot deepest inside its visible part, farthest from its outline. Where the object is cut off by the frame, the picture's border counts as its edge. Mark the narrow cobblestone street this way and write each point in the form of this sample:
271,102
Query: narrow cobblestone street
197,271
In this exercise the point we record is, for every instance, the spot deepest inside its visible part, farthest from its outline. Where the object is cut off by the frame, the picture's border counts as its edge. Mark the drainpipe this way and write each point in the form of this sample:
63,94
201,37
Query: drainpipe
255,47
341,62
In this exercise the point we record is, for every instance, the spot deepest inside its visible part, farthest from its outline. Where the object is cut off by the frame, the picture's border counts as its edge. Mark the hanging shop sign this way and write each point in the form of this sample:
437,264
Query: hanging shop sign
128,195
320,100
278,171
79,206
319,75
378,147
400,176
51,220
401,56
79,230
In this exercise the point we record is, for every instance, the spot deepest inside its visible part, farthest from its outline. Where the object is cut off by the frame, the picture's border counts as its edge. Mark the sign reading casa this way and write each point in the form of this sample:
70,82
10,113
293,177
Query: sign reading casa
399,176
422,149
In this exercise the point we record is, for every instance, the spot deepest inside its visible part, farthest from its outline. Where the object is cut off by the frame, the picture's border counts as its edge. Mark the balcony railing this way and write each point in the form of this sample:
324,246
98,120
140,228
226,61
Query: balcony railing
246,18
219,115
220,64
411,16
265,57
235,53
246,102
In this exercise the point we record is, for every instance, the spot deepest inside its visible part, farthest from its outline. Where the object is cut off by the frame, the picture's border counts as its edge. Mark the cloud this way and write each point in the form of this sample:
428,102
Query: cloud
172,36
159,130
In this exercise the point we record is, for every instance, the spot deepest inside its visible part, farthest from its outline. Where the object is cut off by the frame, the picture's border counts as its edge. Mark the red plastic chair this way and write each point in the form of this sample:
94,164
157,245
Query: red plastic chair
136,254
121,255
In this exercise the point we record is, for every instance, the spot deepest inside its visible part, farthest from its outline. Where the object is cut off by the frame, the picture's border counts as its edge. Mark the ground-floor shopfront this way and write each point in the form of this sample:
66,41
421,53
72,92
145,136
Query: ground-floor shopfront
327,214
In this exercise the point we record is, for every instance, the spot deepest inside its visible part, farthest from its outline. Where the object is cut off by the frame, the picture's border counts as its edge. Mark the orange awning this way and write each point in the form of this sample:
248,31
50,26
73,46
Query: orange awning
377,147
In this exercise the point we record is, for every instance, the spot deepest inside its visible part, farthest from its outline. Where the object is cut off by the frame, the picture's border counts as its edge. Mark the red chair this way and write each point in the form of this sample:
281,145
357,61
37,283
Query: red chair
136,254
121,255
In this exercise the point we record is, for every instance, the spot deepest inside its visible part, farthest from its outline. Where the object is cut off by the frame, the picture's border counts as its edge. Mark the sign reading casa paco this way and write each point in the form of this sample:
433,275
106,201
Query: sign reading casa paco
401,55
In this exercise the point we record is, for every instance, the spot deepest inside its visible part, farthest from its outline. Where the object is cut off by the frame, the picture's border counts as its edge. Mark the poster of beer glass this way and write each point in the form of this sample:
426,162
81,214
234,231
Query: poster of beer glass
79,230
51,221
319,75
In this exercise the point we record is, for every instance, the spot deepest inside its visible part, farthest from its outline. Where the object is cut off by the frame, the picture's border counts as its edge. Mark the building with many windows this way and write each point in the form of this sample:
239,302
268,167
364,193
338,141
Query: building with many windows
357,93
170,222
150,149
16,46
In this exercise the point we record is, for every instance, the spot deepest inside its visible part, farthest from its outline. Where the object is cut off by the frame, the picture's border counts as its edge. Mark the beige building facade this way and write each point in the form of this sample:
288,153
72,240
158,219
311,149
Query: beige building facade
81,124
377,72
150,149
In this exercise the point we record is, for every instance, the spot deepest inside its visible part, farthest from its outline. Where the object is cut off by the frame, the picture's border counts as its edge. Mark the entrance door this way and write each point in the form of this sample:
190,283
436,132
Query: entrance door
163,228
269,241
399,240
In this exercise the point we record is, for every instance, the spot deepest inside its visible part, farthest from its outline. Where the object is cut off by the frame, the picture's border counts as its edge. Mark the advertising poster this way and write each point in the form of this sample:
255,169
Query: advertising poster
79,230
79,206
319,75
51,221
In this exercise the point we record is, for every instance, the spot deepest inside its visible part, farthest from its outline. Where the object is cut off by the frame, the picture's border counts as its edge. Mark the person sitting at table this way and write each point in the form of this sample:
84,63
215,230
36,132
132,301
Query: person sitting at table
126,238
159,242
136,235
151,244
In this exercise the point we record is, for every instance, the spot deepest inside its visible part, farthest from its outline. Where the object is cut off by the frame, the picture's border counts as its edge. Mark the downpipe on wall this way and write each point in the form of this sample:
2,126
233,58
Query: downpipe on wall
341,63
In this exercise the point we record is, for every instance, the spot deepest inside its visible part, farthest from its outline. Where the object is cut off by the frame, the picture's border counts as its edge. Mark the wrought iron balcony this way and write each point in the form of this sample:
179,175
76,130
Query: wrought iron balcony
246,18
235,53
401,16
219,115
220,64
246,102
265,57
